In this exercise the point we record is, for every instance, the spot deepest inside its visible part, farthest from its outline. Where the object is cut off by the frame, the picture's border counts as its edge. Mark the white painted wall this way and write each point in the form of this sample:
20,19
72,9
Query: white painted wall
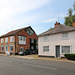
56,39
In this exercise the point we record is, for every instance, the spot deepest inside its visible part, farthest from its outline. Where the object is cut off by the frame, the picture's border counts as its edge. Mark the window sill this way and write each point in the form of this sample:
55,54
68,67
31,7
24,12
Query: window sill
65,38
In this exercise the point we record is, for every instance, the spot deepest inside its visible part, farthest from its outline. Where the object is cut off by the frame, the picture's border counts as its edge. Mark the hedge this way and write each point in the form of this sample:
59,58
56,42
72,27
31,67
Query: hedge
70,56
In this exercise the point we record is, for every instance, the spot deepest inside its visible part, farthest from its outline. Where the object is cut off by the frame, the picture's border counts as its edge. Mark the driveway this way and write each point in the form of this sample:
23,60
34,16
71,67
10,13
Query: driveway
21,66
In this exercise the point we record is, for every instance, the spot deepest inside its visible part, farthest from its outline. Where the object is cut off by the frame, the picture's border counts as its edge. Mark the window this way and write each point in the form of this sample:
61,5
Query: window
11,39
65,35
11,48
36,41
20,37
22,40
6,40
65,49
29,31
2,48
32,40
45,48
36,46
32,47
21,48
2,40
45,38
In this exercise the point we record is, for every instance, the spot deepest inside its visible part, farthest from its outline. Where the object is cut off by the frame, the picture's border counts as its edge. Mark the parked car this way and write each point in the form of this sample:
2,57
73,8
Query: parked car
25,52
34,51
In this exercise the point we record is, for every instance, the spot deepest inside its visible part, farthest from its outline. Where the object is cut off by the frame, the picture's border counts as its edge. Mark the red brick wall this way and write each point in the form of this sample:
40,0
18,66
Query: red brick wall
8,44
27,46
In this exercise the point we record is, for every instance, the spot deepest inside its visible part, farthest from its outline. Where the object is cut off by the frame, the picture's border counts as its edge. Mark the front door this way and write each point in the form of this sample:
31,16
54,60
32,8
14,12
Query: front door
6,48
57,51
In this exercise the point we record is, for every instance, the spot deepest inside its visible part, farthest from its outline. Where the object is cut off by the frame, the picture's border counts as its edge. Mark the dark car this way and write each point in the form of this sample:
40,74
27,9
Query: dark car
25,52
34,51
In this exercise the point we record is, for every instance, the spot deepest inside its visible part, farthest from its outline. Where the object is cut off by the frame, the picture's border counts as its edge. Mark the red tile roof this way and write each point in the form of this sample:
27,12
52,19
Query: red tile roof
13,32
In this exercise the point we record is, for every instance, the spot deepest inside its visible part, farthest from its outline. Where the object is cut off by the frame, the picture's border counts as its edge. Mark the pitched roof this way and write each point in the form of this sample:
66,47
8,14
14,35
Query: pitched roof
13,32
58,29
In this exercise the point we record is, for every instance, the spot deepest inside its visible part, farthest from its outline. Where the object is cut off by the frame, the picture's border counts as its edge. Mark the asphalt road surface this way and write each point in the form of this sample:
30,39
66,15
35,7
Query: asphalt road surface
20,66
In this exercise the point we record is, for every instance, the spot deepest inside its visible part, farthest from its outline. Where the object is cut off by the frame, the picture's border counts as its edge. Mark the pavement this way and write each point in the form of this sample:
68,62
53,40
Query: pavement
11,65
35,56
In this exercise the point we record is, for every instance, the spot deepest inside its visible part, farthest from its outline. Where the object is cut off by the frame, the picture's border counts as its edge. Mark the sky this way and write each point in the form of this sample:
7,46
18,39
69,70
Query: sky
41,15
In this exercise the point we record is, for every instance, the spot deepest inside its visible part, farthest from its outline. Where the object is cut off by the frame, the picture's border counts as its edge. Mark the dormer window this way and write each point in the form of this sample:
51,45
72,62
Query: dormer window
29,31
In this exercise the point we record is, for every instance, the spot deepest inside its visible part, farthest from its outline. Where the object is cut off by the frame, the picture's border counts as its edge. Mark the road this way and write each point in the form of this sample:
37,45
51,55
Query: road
21,66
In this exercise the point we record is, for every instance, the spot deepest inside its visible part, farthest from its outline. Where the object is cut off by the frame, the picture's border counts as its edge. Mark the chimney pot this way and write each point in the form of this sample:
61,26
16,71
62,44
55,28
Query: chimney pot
56,24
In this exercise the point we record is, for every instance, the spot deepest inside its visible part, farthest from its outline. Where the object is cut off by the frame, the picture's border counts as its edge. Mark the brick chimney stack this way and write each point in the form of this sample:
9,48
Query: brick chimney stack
56,24
73,23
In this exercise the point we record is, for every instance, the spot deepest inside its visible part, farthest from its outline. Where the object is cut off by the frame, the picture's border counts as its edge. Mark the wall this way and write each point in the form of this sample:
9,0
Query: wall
7,44
27,46
54,40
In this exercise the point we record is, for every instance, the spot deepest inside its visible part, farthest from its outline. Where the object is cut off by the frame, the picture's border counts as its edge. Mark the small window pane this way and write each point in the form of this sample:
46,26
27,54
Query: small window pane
2,48
2,40
65,35
45,39
65,49
32,47
11,39
6,40
45,48
11,48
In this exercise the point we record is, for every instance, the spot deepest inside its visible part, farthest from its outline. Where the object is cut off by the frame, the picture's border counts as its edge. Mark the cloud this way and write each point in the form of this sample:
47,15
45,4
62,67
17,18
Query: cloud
50,20
55,19
11,8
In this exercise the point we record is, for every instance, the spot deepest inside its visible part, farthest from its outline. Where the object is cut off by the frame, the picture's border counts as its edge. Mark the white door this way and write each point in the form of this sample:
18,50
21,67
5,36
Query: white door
6,48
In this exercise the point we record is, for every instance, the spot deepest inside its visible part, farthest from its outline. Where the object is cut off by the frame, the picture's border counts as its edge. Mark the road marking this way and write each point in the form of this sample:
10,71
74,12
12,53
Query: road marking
40,66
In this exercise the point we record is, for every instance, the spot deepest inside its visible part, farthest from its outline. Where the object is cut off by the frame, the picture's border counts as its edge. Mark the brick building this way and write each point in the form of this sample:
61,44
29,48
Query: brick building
20,39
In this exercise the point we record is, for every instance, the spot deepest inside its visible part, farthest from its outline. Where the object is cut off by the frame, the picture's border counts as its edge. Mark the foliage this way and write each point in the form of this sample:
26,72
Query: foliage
70,56
71,17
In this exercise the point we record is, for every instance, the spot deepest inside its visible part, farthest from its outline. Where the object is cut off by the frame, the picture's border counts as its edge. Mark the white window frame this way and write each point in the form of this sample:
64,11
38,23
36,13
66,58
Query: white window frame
10,47
22,40
11,39
65,46
6,40
32,40
65,36
2,40
45,38
32,47
46,48
1,48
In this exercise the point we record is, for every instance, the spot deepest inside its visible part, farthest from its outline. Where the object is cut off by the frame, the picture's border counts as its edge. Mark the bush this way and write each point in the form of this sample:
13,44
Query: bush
70,56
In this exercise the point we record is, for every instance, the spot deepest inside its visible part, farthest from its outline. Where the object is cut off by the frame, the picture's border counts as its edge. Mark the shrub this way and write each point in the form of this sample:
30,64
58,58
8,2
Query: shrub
70,56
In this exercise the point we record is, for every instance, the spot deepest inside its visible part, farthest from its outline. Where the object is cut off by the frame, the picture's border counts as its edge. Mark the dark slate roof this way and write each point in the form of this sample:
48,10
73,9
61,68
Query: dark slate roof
58,29
13,32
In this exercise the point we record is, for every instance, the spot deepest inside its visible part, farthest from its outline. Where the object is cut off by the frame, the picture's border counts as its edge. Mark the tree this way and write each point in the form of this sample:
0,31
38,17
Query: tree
71,17
74,6
70,12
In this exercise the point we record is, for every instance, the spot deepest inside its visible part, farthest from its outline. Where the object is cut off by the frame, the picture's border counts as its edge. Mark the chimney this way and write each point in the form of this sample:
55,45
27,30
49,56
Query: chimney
56,24
73,23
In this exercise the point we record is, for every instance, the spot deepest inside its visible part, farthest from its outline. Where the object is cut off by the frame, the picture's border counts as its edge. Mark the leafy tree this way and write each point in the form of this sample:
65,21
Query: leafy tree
71,17
74,6
70,12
